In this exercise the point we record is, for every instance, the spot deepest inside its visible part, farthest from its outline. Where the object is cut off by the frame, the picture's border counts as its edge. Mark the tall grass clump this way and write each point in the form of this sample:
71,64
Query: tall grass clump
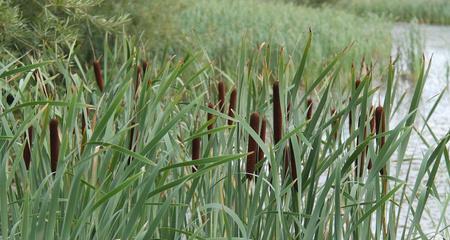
188,177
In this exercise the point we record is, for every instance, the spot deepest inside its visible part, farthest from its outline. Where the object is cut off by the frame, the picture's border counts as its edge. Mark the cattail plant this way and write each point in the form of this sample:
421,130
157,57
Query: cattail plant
54,144
357,83
232,107
335,125
139,75
221,92
372,131
27,149
98,75
132,146
252,146
309,107
262,135
277,115
210,118
380,127
83,128
195,151
145,65
287,152
10,99
361,163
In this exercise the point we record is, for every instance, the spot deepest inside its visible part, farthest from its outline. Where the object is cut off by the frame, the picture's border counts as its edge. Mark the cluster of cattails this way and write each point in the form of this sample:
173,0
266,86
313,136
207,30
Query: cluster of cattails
221,89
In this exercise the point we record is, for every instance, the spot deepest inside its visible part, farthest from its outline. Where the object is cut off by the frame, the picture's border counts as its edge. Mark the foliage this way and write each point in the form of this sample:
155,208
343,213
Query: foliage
50,24
128,173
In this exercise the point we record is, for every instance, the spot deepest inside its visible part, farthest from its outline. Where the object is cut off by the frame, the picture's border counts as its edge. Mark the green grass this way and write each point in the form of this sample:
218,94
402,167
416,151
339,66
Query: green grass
222,29
96,194
422,11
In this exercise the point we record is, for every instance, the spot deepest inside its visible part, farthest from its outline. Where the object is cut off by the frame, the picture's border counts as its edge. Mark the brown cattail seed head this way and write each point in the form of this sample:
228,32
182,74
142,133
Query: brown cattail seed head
54,144
233,99
372,121
27,149
210,116
357,83
98,75
221,91
309,106
252,146
145,65
277,115
131,146
350,117
333,111
10,99
138,78
380,123
262,135
195,152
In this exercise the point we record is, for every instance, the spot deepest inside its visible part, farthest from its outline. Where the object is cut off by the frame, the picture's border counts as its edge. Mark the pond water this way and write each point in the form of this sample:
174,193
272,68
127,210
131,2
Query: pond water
434,42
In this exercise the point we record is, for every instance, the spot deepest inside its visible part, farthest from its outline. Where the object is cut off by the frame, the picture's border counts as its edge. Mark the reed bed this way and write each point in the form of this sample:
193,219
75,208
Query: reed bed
422,11
199,172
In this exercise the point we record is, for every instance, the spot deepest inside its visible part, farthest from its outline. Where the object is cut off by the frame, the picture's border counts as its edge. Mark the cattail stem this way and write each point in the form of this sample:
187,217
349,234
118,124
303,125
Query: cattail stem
54,144
98,75
252,146
232,107
27,149
221,92
195,152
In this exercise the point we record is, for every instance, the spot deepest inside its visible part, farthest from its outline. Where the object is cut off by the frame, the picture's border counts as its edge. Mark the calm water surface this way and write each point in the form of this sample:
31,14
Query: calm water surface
435,43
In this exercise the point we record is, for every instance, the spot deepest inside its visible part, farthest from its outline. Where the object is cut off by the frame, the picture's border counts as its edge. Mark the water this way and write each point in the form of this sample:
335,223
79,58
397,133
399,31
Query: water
435,43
